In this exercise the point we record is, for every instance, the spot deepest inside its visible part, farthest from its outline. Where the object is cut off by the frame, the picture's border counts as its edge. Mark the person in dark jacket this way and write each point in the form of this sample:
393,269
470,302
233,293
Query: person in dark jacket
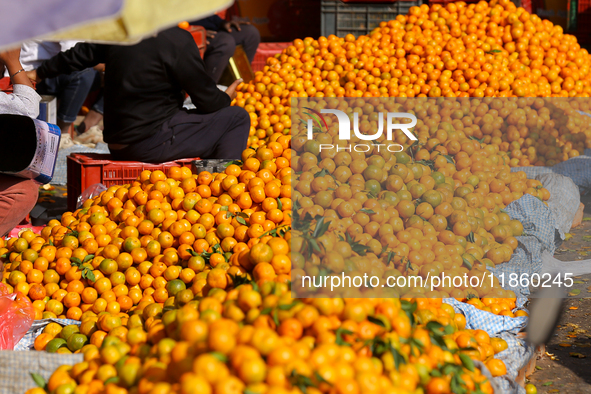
223,37
144,91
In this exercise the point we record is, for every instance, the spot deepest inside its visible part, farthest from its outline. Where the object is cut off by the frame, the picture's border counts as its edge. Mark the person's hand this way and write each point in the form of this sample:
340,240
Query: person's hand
33,76
11,57
210,34
100,67
236,25
231,91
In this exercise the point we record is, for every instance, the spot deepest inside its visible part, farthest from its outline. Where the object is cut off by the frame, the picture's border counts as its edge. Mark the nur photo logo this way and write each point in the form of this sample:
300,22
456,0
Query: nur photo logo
317,121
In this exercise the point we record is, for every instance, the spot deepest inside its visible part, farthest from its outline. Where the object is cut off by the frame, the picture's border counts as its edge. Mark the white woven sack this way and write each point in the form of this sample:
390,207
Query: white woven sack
564,199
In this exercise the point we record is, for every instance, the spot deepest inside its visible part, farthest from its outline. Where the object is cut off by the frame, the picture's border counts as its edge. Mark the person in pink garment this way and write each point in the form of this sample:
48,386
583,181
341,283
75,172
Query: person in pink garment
18,196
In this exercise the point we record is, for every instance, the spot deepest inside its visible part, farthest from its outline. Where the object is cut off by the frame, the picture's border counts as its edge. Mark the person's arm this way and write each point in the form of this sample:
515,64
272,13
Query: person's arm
80,57
213,22
189,71
24,100
11,60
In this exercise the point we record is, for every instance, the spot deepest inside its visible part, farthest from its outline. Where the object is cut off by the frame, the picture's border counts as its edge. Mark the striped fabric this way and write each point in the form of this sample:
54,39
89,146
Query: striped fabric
578,169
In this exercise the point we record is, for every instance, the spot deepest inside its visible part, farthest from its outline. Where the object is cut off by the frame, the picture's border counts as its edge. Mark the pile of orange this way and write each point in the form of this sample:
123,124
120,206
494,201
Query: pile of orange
146,242
219,247
488,49
263,341
183,282
129,257
435,208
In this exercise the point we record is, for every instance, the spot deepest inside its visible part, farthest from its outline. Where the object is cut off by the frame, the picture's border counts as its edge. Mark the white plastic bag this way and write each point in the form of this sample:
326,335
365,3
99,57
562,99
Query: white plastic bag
90,192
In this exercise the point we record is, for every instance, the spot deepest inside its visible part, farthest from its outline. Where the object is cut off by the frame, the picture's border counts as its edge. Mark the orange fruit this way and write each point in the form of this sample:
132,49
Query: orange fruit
496,367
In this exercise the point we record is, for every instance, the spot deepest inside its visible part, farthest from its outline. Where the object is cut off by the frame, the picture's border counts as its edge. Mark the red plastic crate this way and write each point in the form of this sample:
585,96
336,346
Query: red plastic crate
584,6
86,169
527,5
266,50
200,37
583,31
5,85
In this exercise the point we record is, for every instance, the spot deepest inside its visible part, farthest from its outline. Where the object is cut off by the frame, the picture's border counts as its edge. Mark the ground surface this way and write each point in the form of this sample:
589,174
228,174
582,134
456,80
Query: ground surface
55,201
566,368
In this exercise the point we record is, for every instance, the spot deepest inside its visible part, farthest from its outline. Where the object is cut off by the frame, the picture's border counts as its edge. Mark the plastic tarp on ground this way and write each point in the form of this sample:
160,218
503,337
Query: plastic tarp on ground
28,341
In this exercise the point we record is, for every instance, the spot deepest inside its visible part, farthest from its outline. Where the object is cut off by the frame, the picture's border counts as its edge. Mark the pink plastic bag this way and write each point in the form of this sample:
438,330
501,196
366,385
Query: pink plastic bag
16,317
14,233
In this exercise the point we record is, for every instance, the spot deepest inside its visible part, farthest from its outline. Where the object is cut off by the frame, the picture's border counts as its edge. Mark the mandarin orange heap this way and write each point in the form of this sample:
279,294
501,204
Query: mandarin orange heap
229,342
172,259
147,241
478,50
435,210
179,259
